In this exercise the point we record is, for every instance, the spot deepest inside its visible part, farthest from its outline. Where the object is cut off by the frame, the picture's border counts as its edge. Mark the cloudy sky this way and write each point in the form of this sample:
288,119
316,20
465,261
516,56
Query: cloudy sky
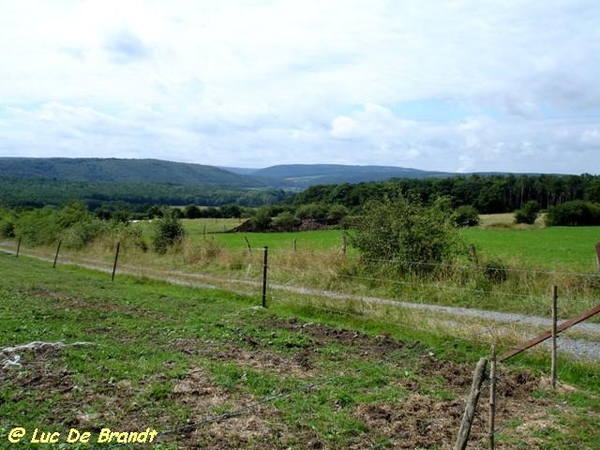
455,85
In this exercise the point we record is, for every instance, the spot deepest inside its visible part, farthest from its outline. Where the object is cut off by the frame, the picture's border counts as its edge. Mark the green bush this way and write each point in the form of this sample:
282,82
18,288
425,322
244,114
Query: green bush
314,211
415,237
495,270
83,233
261,219
528,213
286,221
336,214
466,216
7,228
575,213
38,226
167,231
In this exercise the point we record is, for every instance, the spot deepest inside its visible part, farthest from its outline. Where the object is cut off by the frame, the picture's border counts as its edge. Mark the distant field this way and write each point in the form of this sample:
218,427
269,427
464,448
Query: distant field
553,248
556,248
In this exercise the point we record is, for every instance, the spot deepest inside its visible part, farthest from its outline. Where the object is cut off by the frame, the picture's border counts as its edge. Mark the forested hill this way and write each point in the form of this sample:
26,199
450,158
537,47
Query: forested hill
123,171
304,175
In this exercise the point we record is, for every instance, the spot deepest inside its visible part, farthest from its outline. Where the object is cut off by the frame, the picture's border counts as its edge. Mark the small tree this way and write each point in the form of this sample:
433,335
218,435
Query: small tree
466,216
528,213
262,219
192,212
167,231
286,221
414,236
336,214
575,213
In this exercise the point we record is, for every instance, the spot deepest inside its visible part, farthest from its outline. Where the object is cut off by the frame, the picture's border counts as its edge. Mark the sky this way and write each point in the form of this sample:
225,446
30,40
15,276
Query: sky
450,85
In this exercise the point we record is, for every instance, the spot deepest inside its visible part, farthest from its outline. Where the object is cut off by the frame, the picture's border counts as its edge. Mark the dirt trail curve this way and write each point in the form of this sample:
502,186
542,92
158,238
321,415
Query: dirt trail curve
587,347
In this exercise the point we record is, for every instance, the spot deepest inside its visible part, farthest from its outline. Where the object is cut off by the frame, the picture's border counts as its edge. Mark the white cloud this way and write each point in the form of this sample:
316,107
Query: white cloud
257,82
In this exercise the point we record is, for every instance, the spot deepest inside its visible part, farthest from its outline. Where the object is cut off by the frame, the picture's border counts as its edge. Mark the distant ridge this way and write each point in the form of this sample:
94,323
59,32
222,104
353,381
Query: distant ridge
123,170
303,175
155,171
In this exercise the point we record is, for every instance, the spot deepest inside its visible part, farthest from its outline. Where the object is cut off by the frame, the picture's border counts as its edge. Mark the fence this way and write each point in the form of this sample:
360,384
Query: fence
250,269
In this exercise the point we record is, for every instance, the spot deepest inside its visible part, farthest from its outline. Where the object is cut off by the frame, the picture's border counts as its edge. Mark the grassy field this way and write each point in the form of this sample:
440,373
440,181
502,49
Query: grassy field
552,248
532,259
207,369
533,247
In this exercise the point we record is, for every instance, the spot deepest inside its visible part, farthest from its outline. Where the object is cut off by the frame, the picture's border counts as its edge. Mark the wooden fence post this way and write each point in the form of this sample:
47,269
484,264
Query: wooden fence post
554,333
469,415
112,278
264,286
56,256
598,255
473,254
18,247
492,430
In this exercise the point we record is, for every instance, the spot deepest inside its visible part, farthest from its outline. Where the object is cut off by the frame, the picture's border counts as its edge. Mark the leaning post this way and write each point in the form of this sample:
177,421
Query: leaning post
56,256
112,278
469,415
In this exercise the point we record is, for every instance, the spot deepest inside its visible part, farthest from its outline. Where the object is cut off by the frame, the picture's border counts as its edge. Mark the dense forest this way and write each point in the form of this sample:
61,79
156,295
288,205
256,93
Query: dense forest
489,194
130,196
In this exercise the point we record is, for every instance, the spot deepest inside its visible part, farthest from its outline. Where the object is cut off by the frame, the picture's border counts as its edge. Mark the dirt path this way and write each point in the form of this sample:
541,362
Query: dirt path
454,316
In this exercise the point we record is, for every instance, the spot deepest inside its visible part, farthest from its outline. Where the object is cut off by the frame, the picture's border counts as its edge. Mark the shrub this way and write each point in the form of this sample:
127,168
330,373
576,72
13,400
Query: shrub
466,216
528,213
38,226
414,236
314,211
286,221
336,214
83,233
261,219
192,212
167,231
575,213
495,270
7,229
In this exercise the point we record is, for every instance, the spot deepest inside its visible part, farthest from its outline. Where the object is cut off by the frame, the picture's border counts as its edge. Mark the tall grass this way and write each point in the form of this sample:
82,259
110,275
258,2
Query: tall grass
512,270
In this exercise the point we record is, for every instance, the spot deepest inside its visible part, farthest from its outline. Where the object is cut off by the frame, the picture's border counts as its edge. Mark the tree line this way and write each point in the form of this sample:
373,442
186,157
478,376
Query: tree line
489,194
130,196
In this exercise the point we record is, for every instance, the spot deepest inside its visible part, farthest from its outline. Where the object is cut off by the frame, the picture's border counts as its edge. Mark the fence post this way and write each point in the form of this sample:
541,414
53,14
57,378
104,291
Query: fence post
248,245
56,256
469,415
112,278
473,254
598,255
19,247
554,333
344,244
264,286
492,431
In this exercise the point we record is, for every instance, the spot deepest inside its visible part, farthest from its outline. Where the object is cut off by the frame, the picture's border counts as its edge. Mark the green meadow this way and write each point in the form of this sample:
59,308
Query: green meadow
535,247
